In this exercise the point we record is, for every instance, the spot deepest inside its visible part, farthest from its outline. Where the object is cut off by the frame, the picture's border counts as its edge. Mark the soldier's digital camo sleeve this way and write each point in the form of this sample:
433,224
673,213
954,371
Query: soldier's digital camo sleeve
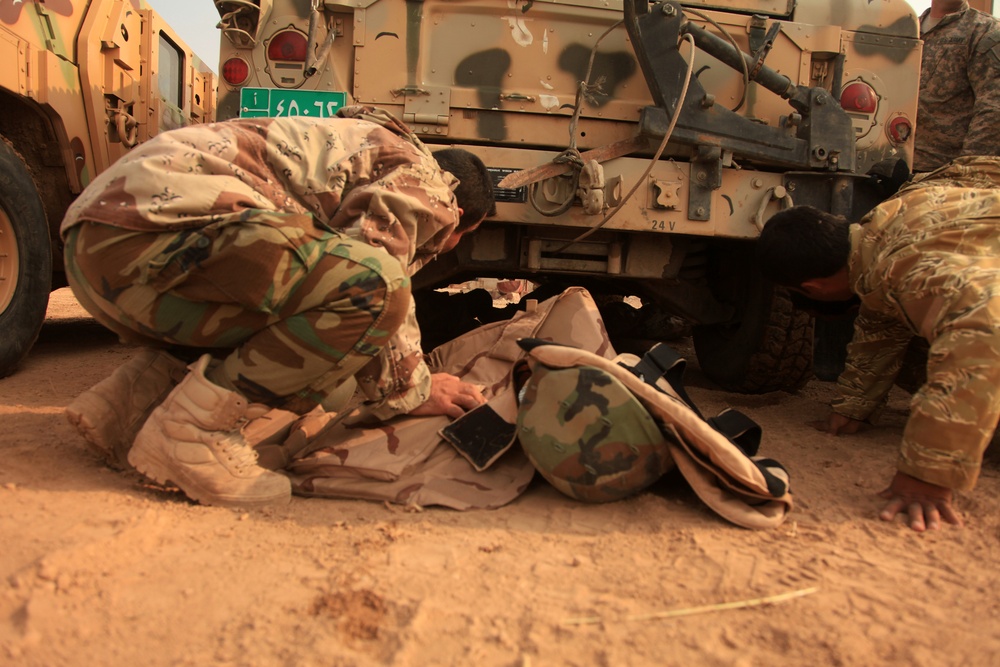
874,356
983,137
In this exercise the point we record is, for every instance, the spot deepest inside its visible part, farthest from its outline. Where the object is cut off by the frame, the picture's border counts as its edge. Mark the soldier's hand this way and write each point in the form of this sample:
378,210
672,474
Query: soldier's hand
449,396
924,503
836,424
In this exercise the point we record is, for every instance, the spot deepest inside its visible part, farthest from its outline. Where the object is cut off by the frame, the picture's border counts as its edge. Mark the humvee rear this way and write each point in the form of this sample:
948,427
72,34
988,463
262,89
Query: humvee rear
638,148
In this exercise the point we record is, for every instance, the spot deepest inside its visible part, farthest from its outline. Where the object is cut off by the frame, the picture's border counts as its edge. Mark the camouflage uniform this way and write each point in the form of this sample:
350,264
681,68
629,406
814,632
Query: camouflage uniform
927,262
288,242
959,107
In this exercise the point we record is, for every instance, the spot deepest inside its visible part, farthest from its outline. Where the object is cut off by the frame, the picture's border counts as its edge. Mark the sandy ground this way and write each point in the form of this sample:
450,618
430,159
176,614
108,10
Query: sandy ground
100,569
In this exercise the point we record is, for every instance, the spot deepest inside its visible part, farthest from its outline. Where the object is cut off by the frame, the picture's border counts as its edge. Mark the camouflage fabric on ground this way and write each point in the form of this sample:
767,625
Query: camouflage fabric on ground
406,460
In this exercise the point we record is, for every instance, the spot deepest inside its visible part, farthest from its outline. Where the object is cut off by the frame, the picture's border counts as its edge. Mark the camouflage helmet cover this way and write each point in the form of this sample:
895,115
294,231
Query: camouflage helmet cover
588,435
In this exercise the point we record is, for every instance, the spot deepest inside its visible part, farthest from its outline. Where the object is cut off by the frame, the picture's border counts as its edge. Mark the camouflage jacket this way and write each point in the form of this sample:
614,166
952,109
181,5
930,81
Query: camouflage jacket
958,111
925,262
363,174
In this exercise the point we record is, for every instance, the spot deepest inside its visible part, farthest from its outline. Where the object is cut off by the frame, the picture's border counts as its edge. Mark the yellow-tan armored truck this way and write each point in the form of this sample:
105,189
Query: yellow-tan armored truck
80,84
638,147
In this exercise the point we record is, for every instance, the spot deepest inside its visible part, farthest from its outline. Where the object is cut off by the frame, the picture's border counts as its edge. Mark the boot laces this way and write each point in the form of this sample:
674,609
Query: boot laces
239,452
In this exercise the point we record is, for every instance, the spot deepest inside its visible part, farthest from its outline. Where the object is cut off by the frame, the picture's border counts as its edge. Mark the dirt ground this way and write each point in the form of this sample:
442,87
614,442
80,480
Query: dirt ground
99,568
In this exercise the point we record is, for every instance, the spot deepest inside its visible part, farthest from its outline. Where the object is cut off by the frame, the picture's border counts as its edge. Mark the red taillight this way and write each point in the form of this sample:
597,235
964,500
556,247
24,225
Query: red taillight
235,71
859,97
900,129
288,45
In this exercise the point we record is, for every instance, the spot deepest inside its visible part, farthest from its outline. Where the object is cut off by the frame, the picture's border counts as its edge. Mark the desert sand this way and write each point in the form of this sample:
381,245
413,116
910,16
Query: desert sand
100,568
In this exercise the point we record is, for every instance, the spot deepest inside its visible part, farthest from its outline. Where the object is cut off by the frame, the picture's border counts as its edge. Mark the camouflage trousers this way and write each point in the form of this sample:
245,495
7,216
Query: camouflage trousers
290,309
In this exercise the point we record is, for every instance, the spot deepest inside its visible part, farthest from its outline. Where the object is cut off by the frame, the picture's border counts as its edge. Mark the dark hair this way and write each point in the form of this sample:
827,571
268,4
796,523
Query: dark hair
802,243
475,187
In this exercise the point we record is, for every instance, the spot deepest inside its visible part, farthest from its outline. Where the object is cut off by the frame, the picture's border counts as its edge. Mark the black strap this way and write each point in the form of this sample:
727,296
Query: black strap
742,431
776,486
662,361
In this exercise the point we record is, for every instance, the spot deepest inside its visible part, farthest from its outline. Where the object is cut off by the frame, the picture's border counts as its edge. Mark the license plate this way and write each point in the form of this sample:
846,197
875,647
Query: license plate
274,102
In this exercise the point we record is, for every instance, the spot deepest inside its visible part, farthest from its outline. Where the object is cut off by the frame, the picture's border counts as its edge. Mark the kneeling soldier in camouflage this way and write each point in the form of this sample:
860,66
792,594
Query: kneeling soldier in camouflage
926,263
276,253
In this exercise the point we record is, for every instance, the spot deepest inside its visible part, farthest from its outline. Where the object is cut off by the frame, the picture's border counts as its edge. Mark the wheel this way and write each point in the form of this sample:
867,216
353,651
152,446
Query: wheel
25,260
768,344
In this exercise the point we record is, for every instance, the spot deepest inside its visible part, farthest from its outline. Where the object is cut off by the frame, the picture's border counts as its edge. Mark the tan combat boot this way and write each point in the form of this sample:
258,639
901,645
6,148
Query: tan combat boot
194,440
110,414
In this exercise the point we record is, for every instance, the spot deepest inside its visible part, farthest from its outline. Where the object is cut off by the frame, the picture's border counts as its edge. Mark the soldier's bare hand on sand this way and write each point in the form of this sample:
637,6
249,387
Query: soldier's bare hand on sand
837,424
925,504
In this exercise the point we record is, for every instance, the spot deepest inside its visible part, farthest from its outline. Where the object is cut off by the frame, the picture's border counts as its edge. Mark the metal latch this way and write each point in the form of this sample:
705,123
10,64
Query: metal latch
666,194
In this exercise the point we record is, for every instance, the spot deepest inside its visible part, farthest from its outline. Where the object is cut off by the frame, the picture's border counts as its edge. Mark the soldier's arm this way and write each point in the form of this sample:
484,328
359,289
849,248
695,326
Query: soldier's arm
874,357
983,137
409,211
397,380
953,416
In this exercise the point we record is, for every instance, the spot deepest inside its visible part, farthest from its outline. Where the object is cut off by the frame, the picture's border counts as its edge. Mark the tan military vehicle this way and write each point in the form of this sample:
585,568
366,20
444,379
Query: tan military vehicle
80,84
638,147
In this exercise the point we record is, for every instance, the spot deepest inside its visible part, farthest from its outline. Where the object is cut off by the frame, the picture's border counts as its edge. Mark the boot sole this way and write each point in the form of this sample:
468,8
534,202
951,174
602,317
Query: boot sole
153,466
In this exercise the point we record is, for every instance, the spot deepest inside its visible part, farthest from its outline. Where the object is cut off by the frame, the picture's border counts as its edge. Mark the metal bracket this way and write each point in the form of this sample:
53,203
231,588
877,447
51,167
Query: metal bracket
760,52
706,177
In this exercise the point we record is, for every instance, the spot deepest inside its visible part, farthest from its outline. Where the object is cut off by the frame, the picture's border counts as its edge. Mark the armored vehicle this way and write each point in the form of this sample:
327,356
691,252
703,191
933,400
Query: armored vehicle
80,84
637,147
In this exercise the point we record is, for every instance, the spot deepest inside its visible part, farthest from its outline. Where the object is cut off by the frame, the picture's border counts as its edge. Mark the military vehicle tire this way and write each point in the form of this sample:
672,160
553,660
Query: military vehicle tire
25,260
768,346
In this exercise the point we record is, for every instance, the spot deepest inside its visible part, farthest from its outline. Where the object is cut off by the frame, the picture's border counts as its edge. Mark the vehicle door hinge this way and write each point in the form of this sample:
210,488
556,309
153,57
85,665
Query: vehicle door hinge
427,107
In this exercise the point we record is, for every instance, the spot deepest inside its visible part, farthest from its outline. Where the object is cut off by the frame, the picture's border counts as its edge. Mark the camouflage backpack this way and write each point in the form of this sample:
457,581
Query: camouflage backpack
600,430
